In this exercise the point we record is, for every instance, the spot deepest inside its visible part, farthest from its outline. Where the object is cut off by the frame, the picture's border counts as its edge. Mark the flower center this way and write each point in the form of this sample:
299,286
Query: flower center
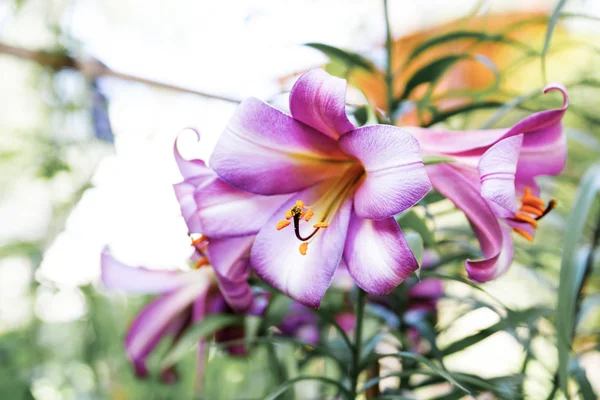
329,202
532,210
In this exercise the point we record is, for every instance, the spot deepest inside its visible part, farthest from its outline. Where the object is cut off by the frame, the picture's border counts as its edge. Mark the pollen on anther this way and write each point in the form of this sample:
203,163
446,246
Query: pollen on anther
288,214
321,225
303,248
299,203
526,218
531,210
282,224
309,214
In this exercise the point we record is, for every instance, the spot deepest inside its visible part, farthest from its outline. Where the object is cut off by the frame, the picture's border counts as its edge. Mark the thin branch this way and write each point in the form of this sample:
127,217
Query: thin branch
93,69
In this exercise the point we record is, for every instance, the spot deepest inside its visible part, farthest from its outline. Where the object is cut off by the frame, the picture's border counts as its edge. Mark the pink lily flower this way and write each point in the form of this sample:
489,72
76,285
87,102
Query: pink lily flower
343,186
185,298
224,221
492,167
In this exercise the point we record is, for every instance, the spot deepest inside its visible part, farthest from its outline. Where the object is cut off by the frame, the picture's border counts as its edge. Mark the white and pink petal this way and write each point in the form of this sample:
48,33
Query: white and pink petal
377,254
395,177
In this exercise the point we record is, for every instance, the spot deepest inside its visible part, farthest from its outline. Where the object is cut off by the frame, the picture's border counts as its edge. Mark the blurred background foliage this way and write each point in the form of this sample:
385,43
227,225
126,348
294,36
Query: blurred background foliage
63,111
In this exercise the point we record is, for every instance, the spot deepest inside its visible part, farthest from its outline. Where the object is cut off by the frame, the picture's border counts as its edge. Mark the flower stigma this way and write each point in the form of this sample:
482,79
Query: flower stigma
298,212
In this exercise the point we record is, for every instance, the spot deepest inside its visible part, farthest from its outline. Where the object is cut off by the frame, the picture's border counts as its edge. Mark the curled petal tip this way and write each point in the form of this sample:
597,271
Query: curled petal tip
186,167
563,90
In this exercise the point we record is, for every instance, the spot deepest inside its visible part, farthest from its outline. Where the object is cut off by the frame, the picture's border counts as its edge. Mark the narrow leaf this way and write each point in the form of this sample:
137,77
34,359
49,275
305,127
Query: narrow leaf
201,330
460,35
349,59
410,220
551,25
573,268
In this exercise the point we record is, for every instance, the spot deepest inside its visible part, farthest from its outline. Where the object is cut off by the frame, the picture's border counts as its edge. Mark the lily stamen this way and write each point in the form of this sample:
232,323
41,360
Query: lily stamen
303,248
524,233
199,240
309,214
282,224
201,263
526,218
532,210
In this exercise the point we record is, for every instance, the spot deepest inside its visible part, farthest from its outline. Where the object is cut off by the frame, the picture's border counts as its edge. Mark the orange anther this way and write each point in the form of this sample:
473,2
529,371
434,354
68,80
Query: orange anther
299,203
533,202
524,233
288,214
321,225
526,218
303,248
532,210
309,214
282,224
199,240
201,263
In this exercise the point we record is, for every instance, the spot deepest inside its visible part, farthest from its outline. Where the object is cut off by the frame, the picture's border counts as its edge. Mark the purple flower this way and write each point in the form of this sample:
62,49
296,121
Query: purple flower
185,298
223,220
343,185
491,168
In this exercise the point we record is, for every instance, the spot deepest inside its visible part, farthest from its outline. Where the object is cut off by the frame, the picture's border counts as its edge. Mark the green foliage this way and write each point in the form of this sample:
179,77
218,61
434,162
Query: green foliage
575,266
349,59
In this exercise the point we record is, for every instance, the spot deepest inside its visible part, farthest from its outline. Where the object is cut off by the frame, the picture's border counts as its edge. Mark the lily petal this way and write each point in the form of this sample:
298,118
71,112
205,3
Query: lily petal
395,176
276,258
266,151
458,186
377,254
190,168
184,192
223,210
319,100
492,268
497,168
157,319
542,131
230,259
118,276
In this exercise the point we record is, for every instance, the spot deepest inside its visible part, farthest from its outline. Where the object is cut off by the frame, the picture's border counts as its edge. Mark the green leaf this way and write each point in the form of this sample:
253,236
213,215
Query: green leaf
200,330
572,269
410,220
459,35
585,388
432,72
509,106
513,320
349,59
442,116
551,25
278,307
432,366
291,382
415,242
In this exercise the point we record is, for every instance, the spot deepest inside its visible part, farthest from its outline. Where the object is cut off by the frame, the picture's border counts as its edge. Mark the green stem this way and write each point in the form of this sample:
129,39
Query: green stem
357,348
389,75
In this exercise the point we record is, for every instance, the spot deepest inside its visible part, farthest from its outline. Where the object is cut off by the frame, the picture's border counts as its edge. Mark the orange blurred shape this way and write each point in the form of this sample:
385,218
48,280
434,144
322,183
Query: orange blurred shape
466,74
